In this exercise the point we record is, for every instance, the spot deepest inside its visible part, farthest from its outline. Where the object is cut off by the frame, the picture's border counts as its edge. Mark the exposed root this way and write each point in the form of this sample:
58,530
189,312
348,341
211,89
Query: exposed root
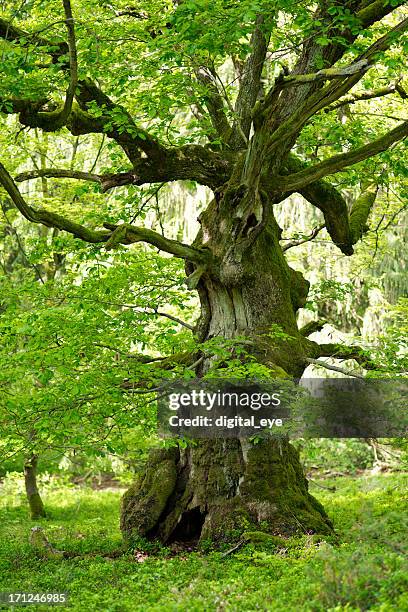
219,489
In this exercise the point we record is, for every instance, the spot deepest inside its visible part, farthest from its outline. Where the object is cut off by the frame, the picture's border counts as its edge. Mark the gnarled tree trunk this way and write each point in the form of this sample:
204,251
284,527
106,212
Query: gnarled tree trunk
245,285
219,488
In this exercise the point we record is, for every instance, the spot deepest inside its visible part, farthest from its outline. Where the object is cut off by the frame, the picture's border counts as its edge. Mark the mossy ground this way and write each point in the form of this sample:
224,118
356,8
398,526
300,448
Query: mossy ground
365,569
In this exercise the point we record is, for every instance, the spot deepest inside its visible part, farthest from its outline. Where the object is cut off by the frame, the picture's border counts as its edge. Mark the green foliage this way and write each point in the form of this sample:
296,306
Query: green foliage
73,317
232,359
56,336
392,346
364,569
327,290
323,455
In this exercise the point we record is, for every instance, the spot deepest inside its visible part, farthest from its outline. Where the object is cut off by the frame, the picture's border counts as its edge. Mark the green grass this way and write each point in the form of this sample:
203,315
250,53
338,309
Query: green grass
365,570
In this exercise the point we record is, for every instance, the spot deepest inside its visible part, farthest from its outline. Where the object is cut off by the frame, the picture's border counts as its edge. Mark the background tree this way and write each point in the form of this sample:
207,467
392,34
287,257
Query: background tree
245,144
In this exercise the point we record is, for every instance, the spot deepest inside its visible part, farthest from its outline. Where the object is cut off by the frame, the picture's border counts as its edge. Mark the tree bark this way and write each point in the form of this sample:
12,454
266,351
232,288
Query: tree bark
35,503
217,489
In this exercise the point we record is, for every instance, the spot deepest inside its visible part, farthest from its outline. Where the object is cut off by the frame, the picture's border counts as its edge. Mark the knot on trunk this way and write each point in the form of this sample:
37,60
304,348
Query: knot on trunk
231,271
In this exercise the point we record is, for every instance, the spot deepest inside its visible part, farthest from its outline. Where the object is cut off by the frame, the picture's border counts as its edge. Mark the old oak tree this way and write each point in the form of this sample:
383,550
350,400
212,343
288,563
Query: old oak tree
291,62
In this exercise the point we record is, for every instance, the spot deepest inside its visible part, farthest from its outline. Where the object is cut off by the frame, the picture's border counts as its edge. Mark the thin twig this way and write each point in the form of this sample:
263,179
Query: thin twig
20,246
295,243
234,548
323,364
317,484
98,154
172,318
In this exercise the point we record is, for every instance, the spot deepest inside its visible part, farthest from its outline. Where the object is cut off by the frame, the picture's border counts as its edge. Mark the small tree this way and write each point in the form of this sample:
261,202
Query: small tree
243,145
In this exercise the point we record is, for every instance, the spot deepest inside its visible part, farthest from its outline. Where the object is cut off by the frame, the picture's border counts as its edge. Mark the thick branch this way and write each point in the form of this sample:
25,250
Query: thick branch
332,204
128,234
57,173
16,105
344,229
10,32
337,163
73,63
214,102
291,127
250,84
339,351
360,212
375,11
35,114
368,95
80,121
326,74
118,234
46,217
312,327
107,181
191,162
126,133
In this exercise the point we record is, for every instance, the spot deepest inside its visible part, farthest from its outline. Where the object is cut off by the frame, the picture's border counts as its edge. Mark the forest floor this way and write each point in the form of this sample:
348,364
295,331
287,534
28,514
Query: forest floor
365,569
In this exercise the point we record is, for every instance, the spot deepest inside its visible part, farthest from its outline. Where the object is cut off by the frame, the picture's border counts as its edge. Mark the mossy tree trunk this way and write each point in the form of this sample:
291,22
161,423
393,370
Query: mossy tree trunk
35,503
219,488
244,282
